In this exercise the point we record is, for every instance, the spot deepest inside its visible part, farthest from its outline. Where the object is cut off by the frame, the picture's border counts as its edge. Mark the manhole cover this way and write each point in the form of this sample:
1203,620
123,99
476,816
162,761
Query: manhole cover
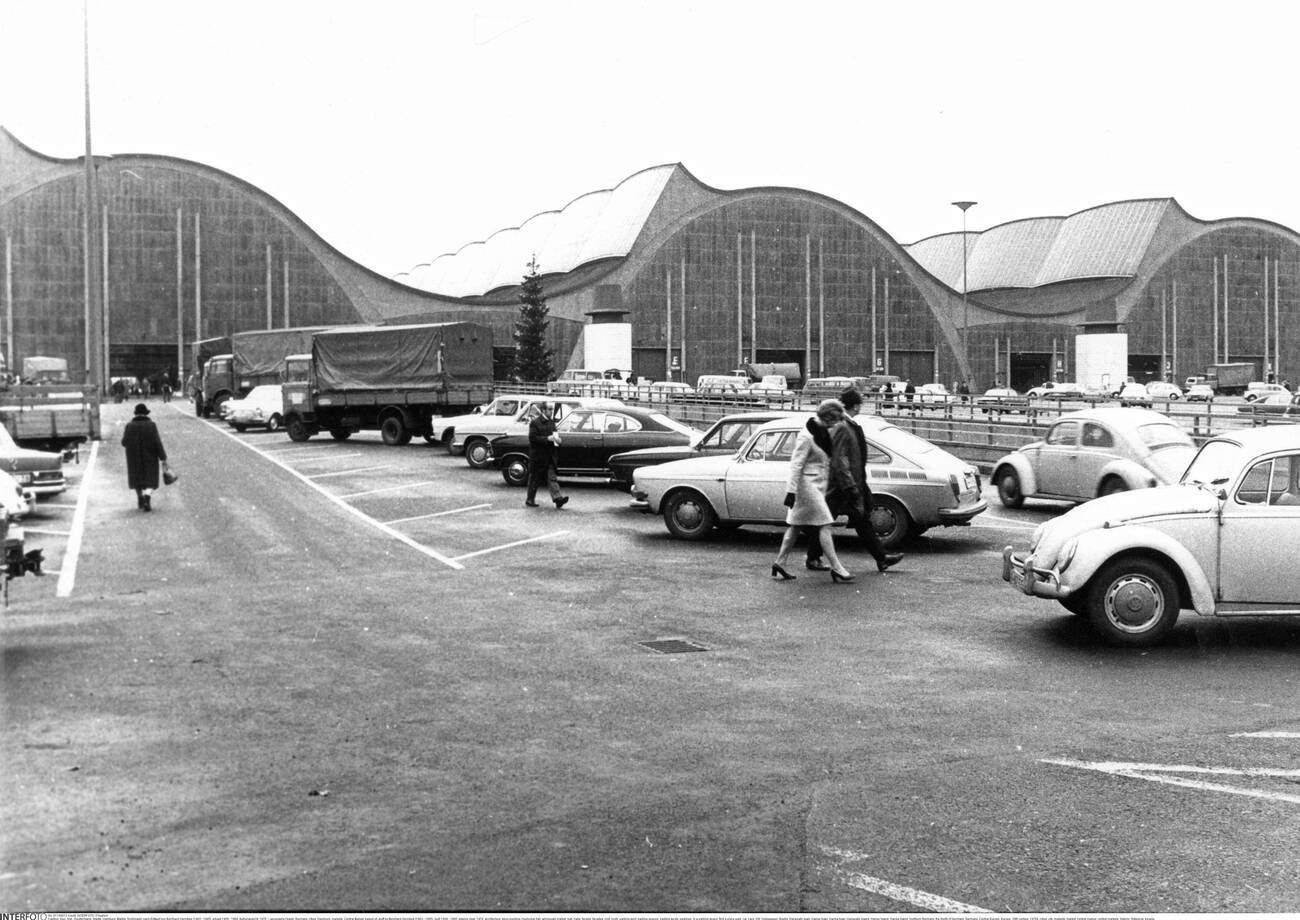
673,646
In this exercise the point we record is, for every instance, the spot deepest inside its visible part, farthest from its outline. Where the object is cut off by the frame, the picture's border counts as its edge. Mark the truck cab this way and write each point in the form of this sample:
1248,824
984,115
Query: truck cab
299,398
218,386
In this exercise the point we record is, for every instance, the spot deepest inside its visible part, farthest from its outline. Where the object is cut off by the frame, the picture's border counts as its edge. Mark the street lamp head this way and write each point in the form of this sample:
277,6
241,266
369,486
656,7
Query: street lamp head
965,205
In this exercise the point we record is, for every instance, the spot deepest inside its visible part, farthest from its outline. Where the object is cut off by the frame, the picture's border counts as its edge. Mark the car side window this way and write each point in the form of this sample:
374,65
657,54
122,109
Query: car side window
1096,436
1255,484
1285,489
1064,433
616,423
507,407
530,413
772,445
877,454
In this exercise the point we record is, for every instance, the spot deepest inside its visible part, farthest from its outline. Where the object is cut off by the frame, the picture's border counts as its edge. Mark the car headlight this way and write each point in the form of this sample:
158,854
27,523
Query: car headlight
1067,554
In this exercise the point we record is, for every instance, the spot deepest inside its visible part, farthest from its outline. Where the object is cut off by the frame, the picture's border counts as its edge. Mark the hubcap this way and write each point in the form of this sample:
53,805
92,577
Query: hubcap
518,472
688,515
1134,603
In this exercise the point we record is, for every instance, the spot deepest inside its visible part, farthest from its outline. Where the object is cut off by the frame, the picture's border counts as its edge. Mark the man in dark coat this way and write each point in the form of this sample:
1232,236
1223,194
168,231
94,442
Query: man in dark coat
542,441
847,490
144,451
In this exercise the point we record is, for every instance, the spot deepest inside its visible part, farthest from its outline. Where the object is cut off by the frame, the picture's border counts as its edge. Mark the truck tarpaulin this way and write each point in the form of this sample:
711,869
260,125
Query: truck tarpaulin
431,356
261,352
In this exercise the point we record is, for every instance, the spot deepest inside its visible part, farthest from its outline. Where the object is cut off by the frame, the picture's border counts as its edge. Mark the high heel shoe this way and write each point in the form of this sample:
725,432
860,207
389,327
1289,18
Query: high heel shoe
778,572
838,578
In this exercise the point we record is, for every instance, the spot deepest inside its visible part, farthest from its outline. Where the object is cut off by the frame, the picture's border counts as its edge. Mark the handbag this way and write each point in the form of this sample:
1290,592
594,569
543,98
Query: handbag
169,477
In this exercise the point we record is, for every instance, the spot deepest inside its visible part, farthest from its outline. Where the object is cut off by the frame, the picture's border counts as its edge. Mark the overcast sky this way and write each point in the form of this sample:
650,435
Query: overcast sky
400,130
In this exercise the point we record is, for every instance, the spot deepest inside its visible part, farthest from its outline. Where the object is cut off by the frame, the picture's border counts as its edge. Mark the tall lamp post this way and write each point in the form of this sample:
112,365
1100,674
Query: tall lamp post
965,306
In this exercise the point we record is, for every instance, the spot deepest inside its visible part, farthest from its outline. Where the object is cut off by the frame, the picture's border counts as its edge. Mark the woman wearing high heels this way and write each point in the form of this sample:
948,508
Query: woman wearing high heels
806,492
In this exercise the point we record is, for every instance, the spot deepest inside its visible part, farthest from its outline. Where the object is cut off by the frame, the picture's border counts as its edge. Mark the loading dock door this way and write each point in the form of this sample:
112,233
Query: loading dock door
1029,369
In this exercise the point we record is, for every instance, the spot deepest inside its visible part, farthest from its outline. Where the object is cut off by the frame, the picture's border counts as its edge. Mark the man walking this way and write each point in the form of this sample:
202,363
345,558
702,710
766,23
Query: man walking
542,441
847,491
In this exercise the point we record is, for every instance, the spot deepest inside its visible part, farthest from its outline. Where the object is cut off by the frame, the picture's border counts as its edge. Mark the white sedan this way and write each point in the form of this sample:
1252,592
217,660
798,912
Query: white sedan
915,484
1221,542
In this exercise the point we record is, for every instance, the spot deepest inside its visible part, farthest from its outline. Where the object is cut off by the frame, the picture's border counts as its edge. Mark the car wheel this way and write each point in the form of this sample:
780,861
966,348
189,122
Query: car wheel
274,422
394,432
891,521
1251,397
1009,488
1133,601
514,469
1112,485
340,434
240,428
297,429
478,453
1175,396
688,515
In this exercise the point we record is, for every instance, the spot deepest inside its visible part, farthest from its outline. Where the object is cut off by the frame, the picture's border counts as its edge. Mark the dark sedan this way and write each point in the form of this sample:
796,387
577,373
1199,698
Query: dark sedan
589,437
727,436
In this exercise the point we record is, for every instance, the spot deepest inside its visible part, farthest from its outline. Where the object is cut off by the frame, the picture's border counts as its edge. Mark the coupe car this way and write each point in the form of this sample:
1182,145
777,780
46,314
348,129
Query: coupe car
589,436
1221,542
915,484
727,436
263,407
1095,452
1284,405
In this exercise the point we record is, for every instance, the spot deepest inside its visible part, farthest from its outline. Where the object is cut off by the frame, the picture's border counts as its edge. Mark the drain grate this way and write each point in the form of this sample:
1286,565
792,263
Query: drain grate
673,646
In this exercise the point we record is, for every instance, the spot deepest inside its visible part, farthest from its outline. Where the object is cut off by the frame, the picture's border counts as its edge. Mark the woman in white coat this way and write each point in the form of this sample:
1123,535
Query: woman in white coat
806,492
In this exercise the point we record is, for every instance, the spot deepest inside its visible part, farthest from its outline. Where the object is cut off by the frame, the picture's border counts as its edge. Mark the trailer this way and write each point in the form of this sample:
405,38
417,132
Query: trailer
56,417
391,379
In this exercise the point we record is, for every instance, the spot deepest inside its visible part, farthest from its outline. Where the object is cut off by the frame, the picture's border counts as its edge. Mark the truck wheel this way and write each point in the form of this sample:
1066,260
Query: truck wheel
478,453
297,429
891,521
394,432
1133,601
514,469
1009,488
274,422
220,400
340,434
688,515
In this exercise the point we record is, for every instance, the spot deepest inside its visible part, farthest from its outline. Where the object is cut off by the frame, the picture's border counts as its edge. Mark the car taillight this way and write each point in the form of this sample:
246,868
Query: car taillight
956,486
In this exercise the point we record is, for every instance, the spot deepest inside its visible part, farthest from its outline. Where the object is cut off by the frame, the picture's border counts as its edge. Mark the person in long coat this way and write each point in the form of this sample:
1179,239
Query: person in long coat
806,492
144,453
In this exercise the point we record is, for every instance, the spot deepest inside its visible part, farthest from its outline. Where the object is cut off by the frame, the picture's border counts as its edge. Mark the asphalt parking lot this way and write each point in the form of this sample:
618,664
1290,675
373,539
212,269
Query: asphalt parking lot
339,675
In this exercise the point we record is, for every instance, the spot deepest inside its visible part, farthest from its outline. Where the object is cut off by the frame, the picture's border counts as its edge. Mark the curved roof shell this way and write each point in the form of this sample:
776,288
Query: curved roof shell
1108,241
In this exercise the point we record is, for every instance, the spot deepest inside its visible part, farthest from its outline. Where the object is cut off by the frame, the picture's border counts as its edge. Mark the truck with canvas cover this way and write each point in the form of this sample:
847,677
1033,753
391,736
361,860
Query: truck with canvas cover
256,357
393,379
1230,379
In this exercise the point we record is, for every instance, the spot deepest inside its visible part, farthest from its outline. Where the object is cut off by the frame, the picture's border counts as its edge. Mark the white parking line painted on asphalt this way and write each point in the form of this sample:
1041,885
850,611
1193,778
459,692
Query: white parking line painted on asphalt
42,504
891,890
68,574
359,469
1003,524
1265,735
54,533
1157,773
406,485
420,517
493,549
355,453
355,512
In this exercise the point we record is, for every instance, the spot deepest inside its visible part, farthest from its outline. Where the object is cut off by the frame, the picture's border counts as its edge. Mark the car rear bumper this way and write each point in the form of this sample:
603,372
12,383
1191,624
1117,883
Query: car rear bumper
1028,578
962,514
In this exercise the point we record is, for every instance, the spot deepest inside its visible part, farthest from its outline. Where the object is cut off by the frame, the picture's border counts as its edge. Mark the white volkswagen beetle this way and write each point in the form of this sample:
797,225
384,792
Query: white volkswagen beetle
1221,542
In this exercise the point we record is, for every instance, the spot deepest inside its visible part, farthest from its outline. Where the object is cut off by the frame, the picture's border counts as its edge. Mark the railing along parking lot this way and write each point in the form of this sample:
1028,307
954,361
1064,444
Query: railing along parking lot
979,429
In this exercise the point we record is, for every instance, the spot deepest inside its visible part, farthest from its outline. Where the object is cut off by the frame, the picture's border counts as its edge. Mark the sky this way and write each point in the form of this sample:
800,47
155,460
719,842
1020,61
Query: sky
401,130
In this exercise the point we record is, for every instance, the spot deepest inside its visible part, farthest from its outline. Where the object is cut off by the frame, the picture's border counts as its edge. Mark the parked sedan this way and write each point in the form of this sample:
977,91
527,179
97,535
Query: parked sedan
916,485
727,436
1134,394
1001,399
1200,392
263,407
1095,452
1282,404
1162,389
472,434
39,472
1054,391
589,436
1221,542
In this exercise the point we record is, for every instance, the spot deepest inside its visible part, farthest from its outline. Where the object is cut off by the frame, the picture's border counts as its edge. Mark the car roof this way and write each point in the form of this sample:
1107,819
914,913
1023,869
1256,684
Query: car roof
868,422
1119,417
1264,438
774,415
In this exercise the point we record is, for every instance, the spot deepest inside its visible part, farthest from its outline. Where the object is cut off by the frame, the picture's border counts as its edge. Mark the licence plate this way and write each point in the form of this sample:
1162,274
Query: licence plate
1018,578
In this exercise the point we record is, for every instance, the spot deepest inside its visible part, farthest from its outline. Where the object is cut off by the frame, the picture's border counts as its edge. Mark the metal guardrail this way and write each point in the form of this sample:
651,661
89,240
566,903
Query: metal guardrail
979,432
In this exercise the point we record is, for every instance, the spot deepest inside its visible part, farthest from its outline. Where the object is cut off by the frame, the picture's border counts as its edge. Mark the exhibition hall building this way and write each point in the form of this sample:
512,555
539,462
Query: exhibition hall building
661,275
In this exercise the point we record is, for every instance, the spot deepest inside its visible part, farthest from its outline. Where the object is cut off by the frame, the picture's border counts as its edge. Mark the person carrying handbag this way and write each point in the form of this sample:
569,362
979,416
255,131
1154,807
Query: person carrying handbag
144,453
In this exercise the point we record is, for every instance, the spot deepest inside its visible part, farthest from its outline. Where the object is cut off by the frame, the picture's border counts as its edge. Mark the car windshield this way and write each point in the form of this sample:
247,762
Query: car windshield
1214,463
1159,435
729,435
904,442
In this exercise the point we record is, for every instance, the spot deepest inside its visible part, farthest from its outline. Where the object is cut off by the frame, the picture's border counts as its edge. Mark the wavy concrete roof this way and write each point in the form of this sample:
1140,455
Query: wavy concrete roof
1107,241
595,226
